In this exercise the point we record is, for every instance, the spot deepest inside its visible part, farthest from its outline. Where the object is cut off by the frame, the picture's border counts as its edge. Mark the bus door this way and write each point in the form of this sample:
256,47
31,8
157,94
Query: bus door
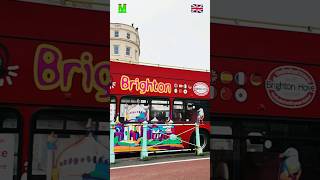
10,141
69,145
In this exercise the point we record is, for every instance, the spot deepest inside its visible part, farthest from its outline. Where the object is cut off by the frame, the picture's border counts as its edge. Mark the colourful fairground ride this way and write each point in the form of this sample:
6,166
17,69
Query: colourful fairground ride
53,97
171,100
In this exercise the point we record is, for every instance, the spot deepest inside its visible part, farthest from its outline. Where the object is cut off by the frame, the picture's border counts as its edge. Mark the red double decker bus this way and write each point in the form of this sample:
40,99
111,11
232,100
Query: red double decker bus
265,115
53,103
167,98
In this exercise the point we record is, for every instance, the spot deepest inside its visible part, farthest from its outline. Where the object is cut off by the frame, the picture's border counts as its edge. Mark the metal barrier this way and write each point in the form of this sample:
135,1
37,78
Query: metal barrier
145,148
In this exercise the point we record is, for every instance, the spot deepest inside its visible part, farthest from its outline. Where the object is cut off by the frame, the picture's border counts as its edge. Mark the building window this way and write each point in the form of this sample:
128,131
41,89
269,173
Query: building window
128,35
128,51
136,55
116,34
115,49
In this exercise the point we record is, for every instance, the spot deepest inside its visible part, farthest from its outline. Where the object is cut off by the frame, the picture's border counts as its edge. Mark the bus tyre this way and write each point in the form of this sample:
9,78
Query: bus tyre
204,140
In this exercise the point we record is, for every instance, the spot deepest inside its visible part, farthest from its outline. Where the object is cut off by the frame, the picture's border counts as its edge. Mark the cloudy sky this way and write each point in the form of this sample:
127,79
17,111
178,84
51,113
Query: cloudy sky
292,12
169,33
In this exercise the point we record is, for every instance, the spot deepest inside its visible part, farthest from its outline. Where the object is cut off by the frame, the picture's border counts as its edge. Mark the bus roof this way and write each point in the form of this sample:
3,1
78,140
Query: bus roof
161,65
54,23
180,83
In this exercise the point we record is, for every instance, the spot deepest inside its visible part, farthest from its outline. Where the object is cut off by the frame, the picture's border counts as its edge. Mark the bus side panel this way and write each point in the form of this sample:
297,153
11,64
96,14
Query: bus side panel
28,79
264,93
264,44
188,133
56,23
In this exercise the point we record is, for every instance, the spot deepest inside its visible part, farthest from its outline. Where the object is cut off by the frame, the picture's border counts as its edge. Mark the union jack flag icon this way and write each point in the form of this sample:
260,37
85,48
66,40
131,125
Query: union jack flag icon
197,8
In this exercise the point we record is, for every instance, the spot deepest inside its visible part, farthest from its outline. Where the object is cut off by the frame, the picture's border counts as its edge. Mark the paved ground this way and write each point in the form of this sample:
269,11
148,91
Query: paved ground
163,167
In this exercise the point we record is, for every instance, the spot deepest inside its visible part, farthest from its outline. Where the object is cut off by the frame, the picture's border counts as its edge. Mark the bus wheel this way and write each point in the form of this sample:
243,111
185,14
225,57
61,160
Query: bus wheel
204,140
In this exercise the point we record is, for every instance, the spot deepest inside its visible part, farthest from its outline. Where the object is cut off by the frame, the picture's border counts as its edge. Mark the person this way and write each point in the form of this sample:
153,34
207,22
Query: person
290,168
200,115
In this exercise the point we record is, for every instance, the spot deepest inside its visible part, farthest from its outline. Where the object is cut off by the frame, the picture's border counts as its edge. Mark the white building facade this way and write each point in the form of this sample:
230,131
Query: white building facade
124,42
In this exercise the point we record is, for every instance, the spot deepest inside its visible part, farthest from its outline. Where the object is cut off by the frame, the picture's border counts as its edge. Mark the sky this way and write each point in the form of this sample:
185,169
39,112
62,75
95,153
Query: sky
169,33
292,12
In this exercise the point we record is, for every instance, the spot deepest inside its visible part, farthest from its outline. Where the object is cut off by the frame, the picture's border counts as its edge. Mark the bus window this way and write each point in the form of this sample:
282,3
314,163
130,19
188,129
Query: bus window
134,109
221,143
69,145
187,110
301,129
279,129
9,144
178,110
113,107
255,133
160,109
222,150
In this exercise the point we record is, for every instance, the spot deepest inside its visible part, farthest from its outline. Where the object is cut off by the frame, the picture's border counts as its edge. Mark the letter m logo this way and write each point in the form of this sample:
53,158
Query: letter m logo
122,8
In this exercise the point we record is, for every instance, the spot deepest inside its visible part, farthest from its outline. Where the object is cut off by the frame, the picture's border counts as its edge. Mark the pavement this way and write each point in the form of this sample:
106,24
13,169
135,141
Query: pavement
180,166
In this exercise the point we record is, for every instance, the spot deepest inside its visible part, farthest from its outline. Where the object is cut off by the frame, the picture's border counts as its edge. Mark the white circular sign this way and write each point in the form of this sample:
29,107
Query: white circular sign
185,91
290,87
241,95
201,89
240,78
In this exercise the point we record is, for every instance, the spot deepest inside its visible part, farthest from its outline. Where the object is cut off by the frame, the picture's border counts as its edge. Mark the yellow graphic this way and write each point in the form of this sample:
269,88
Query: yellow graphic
144,86
51,71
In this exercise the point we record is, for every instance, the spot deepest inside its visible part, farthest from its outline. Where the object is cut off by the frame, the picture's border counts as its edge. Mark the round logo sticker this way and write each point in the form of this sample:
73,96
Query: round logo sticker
185,91
201,89
240,78
241,95
225,94
226,77
213,92
255,79
290,87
